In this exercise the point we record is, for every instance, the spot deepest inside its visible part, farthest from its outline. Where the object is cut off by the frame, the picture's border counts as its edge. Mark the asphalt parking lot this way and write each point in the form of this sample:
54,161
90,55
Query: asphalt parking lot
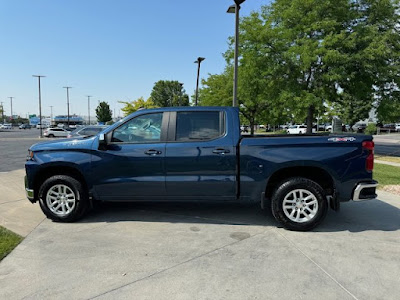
197,251
14,145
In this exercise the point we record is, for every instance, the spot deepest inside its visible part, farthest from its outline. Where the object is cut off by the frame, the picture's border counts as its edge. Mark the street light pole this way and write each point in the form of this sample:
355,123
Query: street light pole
67,87
88,105
11,117
235,9
51,113
40,104
198,61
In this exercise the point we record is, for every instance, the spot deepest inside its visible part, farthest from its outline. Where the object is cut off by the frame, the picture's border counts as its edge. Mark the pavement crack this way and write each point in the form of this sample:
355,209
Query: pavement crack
318,265
13,201
176,265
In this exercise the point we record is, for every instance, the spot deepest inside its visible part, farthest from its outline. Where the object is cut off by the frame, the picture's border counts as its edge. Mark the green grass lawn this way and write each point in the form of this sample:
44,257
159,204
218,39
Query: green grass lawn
386,174
8,241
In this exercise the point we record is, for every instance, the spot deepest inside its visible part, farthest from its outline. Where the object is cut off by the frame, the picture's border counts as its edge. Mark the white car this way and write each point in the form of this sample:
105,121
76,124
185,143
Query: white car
55,132
297,129
6,126
397,126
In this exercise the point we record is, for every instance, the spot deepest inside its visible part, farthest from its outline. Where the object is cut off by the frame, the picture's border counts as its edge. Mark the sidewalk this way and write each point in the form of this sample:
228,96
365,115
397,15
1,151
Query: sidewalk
16,212
387,138
390,163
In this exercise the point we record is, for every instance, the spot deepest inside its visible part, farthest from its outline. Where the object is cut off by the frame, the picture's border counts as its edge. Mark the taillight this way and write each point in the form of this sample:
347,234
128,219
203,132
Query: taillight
369,145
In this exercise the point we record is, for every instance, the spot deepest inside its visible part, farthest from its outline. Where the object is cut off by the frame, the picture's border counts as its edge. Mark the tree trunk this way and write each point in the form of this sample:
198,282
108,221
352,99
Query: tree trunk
310,118
251,126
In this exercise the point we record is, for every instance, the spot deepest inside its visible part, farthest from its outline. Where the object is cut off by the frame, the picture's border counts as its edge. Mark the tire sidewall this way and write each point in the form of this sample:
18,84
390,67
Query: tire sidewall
75,186
298,183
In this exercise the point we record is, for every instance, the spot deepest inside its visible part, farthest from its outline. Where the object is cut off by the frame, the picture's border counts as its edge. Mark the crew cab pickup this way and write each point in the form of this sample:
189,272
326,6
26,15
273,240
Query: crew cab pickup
198,154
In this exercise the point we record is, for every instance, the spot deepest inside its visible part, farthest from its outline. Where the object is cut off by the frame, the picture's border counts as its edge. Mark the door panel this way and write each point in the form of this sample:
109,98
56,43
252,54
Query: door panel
132,167
200,160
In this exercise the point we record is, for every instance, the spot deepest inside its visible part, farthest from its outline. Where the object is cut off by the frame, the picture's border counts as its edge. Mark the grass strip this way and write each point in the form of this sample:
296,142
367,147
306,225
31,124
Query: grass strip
8,241
386,174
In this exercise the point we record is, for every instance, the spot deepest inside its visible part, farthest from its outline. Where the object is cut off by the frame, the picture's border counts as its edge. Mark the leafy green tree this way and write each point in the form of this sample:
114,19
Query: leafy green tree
131,107
103,112
169,93
216,90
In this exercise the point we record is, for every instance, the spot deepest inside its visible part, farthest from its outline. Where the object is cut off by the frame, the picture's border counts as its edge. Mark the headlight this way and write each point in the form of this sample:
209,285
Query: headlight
30,155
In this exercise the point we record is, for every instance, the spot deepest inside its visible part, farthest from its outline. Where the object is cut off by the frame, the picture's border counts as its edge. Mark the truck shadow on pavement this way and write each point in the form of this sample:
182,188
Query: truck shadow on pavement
373,215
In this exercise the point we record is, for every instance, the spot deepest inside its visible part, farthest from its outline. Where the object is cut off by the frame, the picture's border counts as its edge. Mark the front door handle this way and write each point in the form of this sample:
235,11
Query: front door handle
152,152
221,151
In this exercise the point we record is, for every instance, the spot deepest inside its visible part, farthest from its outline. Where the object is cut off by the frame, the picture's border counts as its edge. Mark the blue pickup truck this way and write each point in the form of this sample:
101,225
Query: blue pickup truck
198,154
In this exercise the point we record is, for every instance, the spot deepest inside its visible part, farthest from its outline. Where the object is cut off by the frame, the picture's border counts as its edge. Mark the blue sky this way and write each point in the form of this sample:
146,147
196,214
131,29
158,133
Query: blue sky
112,50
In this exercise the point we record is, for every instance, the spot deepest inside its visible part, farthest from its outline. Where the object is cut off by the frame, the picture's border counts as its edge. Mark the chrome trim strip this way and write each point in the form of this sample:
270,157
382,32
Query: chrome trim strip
29,193
360,187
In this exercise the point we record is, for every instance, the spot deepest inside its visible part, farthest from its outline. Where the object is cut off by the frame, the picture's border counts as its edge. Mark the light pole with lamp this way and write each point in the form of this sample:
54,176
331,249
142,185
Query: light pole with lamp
40,104
235,9
88,105
67,87
198,61
11,116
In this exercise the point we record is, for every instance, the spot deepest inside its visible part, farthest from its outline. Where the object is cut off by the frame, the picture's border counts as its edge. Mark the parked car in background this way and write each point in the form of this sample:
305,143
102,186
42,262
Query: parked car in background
387,128
24,126
397,126
6,126
244,128
359,127
297,129
41,125
86,131
55,132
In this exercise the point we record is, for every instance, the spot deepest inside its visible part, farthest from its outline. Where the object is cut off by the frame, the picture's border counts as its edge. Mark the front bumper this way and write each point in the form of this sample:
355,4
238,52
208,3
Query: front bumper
365,191
30,193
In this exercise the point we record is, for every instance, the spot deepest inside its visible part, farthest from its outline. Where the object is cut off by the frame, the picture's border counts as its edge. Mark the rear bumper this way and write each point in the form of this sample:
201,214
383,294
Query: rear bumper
365,191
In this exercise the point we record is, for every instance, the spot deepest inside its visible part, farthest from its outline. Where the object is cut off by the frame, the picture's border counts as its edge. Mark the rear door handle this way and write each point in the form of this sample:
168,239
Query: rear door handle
221,151
152,152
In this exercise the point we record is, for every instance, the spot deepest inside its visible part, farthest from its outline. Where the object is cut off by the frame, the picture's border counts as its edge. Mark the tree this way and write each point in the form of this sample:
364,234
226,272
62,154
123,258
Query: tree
103,112
343,51
131,107
169,93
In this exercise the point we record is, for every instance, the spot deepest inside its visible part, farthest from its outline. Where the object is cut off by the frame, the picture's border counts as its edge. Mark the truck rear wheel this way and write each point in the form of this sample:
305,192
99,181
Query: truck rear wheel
62,198
299,204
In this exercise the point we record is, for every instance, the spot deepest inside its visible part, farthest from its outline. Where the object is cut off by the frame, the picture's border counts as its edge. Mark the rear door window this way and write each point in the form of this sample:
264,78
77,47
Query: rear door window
205,125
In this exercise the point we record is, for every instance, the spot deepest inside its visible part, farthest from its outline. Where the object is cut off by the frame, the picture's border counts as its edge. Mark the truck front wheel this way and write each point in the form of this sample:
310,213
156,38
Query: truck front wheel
62,198
299,204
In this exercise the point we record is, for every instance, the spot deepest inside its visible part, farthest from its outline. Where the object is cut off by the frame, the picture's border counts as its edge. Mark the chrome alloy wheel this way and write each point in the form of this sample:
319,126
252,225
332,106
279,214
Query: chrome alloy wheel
300,205
61,200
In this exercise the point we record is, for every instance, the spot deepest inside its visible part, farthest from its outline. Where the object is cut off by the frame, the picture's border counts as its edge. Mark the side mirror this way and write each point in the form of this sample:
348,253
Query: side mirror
102,142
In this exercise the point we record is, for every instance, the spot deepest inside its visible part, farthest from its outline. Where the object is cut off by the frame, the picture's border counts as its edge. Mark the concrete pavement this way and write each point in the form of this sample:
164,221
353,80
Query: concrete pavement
393,138
191,251
16,212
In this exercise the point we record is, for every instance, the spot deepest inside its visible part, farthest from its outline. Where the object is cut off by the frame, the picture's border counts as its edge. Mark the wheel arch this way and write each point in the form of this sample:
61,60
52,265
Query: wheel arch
50,171
317,174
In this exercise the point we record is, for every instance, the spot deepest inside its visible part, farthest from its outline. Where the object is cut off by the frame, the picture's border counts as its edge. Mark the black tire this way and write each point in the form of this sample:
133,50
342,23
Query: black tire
50,135
81,203
290,186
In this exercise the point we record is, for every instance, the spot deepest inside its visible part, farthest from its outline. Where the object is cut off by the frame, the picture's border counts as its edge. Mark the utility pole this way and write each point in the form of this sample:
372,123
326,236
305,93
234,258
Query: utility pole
11,118
67,87
51,113
88,106
40,104
198,61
